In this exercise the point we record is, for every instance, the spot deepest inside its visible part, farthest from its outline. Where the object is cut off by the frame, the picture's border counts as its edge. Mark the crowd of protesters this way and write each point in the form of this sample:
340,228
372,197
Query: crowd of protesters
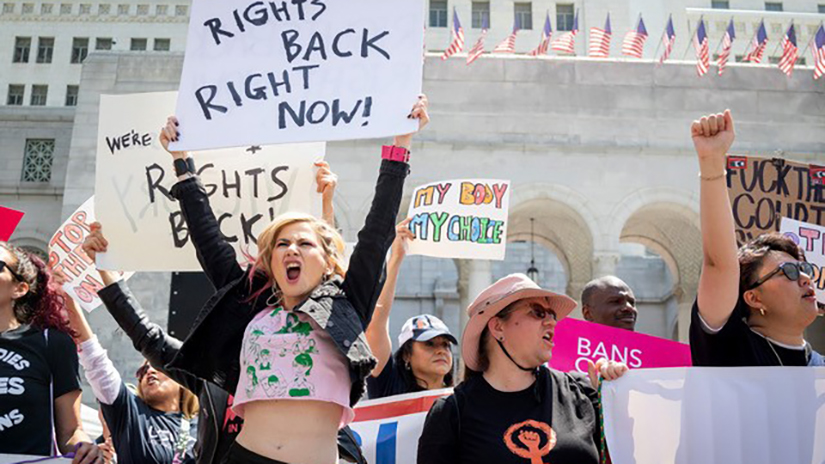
286,347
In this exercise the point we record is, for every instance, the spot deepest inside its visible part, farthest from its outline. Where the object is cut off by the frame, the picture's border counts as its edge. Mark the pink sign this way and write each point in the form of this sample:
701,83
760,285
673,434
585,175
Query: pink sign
577,341
9,219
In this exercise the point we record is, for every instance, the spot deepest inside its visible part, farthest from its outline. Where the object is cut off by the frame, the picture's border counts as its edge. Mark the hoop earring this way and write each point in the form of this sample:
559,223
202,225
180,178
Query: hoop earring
407,365
277,298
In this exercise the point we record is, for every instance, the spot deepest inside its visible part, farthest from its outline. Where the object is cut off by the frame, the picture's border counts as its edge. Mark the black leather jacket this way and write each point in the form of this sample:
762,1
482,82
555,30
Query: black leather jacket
159,348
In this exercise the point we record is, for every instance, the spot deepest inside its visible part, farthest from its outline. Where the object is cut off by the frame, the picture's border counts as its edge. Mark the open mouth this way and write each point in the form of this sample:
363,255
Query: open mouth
152,380
548,337
293,272
809,294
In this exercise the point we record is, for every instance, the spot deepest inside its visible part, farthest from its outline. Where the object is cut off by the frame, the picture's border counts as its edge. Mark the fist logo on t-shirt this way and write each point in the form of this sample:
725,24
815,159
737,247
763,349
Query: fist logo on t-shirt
530,440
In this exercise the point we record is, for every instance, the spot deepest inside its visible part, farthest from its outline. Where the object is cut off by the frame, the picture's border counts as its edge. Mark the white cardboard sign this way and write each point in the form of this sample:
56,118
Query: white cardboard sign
464,218
247,187
811,238
260,72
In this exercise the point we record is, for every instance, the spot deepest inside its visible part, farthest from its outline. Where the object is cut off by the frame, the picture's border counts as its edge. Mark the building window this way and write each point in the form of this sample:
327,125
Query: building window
71,95
138,45
142,10
103,43
123,9
438,13
104,9
161,10
524,15
481,15
22,45
80,48
15,97
162,45
46,8
38,159
28,8
65,8
565,13
39,95
720,5
181,10
821,8
85,9
8,8
773,6
45,47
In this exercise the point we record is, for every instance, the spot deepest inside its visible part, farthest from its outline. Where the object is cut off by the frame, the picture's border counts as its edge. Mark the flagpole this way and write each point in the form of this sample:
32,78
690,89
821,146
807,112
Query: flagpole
755,35
783,38
659,45
722,40
809,43
690,42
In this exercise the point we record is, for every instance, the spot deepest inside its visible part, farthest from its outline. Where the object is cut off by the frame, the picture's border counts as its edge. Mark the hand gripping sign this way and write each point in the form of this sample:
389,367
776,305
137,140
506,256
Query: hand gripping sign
274,72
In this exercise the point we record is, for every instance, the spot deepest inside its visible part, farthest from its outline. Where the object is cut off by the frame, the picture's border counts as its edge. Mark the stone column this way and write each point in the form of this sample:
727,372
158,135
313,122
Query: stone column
574,290
604,264
473,277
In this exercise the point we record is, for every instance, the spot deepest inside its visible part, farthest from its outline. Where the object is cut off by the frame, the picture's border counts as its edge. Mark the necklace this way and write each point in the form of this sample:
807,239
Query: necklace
774,351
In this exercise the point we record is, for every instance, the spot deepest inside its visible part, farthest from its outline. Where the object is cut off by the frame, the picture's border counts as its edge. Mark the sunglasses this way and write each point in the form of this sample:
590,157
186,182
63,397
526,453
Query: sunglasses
142,371
17,276
791,270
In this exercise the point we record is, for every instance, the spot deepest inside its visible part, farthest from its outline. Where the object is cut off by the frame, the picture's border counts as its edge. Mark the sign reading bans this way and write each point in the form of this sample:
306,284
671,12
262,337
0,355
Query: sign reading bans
299,71
763,191
247,187
460,219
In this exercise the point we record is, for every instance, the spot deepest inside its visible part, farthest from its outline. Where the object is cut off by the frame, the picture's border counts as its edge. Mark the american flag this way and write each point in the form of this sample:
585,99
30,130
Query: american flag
458,38
819,53
789,51
758,44
727,43
545,39
478,48
668,39
634,41
508,45
600,40
700,43
567,42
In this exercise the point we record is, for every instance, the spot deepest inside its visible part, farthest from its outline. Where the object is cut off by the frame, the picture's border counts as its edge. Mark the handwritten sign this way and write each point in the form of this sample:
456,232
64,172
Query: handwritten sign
460,219
66,256
278,72
811,238
576,341
247,187
9,219
763,191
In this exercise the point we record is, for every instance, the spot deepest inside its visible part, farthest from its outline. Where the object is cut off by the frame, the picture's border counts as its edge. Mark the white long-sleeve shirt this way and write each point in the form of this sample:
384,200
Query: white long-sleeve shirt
100,372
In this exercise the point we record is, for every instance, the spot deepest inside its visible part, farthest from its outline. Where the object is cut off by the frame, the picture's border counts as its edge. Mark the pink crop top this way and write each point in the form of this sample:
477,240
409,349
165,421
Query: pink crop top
287,356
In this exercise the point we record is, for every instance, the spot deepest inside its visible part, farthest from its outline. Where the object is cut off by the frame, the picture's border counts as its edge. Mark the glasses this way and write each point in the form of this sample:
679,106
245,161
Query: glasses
17,276
142,370
541,313
791,270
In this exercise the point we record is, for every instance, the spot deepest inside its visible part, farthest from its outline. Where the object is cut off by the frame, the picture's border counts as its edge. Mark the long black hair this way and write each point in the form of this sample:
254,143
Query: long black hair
410,381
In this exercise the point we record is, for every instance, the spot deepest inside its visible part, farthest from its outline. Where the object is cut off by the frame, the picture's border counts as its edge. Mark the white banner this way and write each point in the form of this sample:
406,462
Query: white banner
388,429
460,219
748,415
66,256
811,238
276,72
247,187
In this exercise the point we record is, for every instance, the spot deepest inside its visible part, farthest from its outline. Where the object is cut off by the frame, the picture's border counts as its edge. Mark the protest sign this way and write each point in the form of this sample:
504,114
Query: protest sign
388,428
812,240
247,187
575,341
24,458
763,191
66,257
9,219
279,72
754,415
460,219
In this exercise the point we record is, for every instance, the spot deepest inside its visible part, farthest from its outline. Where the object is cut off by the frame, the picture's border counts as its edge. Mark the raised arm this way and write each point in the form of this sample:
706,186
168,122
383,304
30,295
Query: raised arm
719,282
378,330
216,256
363,280
326,181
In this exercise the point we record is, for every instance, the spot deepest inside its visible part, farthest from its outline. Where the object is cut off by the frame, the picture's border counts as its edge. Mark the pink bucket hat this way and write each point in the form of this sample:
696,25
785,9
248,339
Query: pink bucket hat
498,296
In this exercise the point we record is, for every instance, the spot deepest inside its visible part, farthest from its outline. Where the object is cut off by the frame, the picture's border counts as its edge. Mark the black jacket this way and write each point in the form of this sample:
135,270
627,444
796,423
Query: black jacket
342,308
159,348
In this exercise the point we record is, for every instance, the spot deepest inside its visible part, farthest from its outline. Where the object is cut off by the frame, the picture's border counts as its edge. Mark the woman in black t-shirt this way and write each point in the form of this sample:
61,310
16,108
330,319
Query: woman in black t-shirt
513,409
424,359
753,306
39,386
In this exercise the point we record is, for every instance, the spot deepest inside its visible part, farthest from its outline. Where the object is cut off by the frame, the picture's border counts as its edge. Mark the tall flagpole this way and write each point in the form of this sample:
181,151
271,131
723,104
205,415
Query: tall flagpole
690,42
783,38
722,40
755,35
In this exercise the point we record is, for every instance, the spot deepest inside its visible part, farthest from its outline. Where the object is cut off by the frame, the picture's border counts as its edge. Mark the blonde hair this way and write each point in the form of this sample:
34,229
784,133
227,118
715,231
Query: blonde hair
330,240
188,402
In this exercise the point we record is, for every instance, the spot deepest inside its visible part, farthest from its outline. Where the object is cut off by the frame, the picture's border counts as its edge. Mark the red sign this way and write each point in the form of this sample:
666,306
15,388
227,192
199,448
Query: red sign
9,219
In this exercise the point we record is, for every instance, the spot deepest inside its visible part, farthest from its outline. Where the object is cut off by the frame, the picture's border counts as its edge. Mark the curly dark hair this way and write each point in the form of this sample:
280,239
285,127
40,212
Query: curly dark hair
752,256
43,306
410,381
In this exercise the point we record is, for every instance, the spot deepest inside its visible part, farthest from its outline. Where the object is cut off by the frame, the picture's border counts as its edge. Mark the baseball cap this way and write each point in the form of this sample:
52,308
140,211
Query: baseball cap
423,328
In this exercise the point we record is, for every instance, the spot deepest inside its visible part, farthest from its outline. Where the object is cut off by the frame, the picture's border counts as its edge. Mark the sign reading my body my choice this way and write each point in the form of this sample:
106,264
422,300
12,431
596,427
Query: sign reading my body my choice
270,72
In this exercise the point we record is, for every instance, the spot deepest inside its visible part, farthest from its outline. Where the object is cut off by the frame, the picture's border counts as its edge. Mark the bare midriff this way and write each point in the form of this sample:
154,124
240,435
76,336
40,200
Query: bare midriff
300,432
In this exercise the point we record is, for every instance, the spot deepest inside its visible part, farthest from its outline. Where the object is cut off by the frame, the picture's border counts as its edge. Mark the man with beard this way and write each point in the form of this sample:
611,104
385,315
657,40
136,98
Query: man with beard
609,301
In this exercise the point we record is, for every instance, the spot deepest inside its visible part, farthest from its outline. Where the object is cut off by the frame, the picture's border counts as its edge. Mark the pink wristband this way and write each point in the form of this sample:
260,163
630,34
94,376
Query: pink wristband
393,153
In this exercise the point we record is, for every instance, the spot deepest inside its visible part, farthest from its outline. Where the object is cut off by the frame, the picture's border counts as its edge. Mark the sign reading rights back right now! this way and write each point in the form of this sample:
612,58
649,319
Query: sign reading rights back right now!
460,219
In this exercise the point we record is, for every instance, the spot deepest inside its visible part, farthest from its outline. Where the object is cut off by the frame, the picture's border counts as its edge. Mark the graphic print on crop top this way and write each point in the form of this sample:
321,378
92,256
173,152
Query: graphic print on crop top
286,355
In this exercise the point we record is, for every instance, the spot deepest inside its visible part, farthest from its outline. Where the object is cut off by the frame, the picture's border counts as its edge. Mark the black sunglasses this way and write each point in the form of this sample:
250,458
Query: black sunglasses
17,276
791,270
142,371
